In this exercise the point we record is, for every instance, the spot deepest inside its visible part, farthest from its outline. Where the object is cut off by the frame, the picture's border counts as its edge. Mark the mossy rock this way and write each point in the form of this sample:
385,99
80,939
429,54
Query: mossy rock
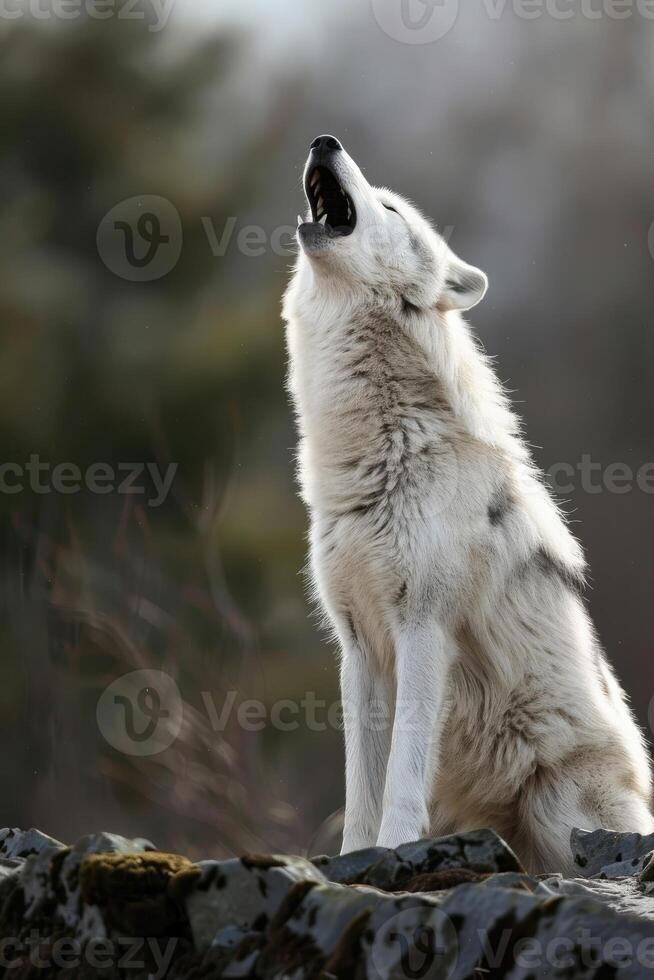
132,890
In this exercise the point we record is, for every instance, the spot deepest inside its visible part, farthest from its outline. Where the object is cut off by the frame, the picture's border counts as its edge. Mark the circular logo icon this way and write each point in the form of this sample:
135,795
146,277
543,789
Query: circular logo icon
140,239
140,713
416,21
417,942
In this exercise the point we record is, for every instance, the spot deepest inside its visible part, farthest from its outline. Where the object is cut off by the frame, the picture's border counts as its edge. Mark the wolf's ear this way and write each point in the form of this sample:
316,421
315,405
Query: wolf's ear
465,286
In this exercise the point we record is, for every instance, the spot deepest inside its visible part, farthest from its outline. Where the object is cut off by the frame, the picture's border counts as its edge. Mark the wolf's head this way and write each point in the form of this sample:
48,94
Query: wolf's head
366,236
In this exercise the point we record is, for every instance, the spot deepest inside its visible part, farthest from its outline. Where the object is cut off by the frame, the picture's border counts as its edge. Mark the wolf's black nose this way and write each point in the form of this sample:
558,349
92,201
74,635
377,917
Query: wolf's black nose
326,143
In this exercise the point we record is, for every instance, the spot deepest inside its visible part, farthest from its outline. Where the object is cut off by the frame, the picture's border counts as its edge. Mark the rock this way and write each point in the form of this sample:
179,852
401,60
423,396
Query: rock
453,908
510,879
608,853
51,877
339,931
131,891
316,928
410,937
242,893
16,843
646,876
350,868
8,868
479,851
621,895
504,932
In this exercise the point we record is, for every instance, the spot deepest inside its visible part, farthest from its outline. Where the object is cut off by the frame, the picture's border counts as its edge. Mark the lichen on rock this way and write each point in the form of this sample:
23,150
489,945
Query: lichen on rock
451,908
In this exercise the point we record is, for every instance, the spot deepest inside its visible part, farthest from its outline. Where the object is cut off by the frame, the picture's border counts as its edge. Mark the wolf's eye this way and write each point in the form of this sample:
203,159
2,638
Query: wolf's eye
389,208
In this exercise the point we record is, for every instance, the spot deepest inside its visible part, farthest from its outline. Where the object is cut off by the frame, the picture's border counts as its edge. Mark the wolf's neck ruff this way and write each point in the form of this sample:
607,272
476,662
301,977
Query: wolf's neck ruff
379,414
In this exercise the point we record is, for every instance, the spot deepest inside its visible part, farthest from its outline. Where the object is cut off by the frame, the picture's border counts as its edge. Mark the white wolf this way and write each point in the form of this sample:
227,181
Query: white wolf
475,691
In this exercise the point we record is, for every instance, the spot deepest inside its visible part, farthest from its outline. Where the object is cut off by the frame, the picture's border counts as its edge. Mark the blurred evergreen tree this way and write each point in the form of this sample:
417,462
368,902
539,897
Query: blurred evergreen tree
95,368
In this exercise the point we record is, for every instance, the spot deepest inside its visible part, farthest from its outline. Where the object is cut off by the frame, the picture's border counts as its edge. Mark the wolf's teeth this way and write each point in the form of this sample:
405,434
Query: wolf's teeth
315,179
323,220
300,220
320,203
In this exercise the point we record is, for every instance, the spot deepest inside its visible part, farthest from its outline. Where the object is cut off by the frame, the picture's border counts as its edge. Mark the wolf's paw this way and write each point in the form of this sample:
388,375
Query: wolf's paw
357,840
401,827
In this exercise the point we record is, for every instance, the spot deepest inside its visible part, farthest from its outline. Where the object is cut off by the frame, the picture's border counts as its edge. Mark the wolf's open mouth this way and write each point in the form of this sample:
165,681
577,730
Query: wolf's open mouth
330,205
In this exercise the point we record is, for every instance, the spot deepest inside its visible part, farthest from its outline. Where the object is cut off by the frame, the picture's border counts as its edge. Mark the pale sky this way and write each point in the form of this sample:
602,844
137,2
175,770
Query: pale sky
273,21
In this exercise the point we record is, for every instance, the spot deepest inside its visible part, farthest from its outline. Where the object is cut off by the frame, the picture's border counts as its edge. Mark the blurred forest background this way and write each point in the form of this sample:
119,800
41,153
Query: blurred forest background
531,140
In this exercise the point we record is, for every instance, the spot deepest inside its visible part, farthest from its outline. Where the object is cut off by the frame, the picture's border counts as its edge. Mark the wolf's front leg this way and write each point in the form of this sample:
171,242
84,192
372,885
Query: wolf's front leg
423,655
367,720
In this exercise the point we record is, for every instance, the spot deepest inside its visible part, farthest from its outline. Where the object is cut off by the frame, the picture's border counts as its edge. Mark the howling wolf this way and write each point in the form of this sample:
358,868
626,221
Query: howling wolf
475,692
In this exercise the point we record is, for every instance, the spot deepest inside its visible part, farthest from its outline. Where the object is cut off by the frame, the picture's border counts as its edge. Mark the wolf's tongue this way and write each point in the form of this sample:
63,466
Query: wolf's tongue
340,231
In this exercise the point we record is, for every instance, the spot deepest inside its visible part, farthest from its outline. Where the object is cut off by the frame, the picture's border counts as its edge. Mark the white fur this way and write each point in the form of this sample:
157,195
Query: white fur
475,692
